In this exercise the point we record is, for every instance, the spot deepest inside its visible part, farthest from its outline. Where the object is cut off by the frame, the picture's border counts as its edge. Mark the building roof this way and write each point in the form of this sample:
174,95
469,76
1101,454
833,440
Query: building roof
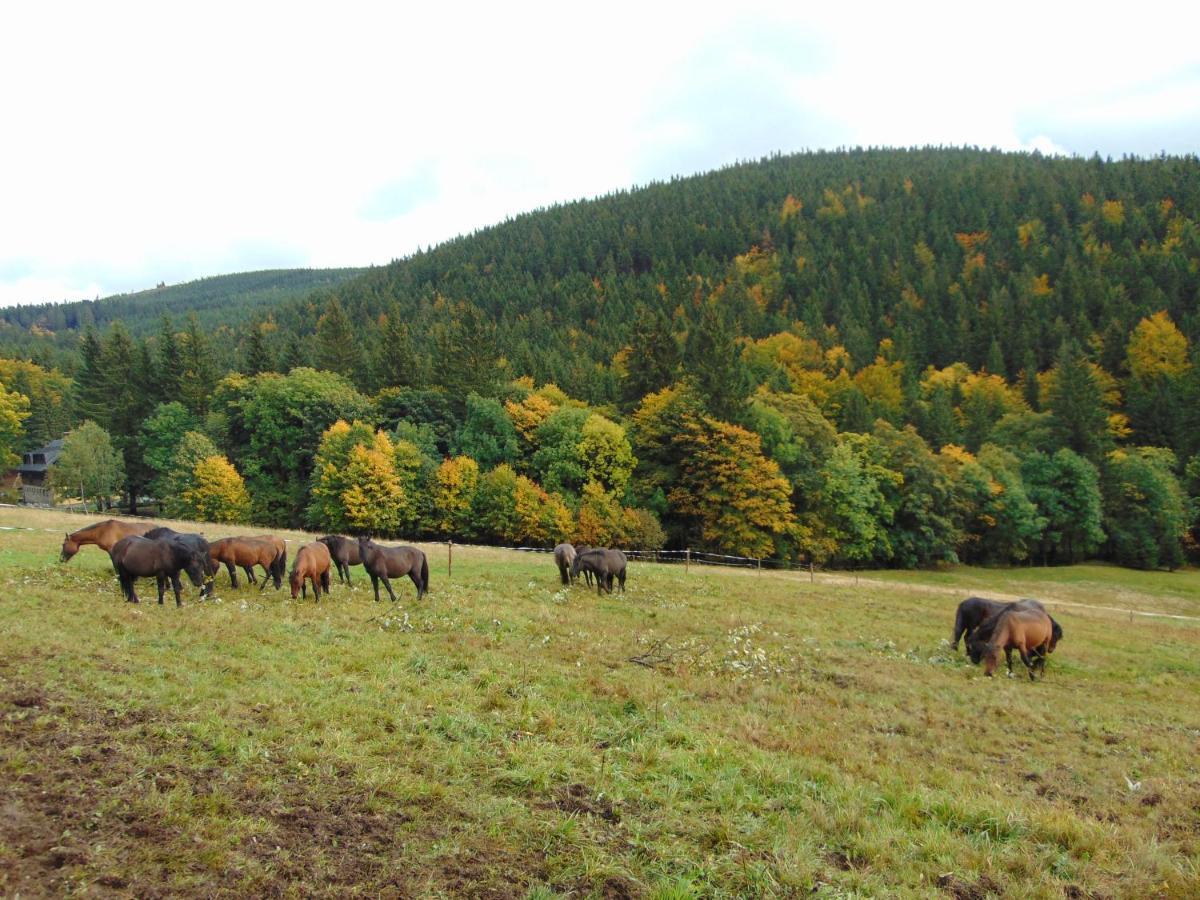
38,461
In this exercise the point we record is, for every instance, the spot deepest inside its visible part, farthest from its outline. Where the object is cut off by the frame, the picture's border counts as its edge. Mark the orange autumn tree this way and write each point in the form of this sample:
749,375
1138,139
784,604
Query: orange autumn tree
737,499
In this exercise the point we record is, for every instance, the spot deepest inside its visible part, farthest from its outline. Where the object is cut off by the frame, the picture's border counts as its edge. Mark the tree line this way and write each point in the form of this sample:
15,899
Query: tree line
883,358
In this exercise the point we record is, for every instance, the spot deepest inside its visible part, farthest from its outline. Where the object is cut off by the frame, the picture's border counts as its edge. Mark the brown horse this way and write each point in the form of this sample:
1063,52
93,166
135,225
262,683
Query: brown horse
103,534
383,563
248,552
1027,630
136,557
312,563
604,564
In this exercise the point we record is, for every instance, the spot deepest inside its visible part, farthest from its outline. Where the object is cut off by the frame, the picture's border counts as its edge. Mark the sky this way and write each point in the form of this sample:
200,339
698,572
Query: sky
158,142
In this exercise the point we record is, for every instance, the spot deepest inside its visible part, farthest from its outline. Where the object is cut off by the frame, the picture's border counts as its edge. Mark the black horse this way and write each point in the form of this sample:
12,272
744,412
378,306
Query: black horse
984,632
344,553
604,564
136,557
383,563
195,541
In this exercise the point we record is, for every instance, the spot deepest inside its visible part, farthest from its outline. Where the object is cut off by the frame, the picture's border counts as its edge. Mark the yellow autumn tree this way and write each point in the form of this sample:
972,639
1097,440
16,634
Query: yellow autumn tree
454,486
217,493
1157,348
372,498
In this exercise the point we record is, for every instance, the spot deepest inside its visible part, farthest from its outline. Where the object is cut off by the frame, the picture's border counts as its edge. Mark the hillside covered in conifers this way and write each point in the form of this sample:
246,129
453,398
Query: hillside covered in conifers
891,357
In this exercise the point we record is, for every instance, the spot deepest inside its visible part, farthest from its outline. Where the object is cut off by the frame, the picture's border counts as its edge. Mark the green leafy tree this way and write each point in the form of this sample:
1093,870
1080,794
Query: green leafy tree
49,394
1065,488
494,506
487,434
558,463
1145,512
273,426
605,454
89,463
850,514
159,438
331,474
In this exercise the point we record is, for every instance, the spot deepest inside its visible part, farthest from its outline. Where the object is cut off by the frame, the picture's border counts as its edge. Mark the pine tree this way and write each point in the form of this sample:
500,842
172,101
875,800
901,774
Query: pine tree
1076,403
714,360
199,375
170,362
258,356
652,360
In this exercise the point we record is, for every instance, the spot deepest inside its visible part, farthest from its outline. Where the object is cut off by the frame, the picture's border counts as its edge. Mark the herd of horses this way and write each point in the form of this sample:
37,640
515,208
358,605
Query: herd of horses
143,550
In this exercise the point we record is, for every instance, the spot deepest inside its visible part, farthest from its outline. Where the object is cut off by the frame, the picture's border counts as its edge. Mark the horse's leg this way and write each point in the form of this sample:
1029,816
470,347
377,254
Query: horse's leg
387,583
325,581
162,587
346,566
1028,662
1008,659
316,580
175,583
375,584
266,577
232,573
622,579
250,576
416,579
304,587
127,587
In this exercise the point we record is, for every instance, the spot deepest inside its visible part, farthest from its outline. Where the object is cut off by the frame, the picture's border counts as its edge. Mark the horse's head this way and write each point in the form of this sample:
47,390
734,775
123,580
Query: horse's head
976,650
295,580
69,548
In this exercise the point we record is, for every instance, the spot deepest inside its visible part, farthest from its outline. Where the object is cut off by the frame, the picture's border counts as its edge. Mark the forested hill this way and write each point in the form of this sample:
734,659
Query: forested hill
886,357
954,255
216,300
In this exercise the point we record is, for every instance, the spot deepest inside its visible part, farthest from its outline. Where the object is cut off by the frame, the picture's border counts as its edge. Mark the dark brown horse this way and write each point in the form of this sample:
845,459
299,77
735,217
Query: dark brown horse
195,541
384,563
136,557
1027,630
344,552
248,552
103,534
312,563
604,564
974,611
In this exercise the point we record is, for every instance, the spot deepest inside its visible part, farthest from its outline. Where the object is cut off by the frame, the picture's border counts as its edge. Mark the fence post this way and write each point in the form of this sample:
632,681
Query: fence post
759,565
812,575
449,559
687,560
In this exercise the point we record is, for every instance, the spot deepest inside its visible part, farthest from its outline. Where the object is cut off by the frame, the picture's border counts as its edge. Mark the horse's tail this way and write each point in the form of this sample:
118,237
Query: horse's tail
959,626
425,570
279,566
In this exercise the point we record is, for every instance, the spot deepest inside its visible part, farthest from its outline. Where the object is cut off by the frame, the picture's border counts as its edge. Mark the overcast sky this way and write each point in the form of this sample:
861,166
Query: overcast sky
152,142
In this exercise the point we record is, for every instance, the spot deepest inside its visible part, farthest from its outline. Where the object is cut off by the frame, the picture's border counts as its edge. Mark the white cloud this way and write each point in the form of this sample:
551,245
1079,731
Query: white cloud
150,143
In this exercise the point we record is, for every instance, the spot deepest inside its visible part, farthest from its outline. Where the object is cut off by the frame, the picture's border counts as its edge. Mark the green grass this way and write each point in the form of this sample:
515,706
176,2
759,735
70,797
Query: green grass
783,737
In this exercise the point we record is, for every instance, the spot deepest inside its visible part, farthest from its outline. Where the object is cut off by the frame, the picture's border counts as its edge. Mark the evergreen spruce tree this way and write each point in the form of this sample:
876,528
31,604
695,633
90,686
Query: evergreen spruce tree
1076,404
258,356
170,361
714,361
338,348
91,401
199,375
653,359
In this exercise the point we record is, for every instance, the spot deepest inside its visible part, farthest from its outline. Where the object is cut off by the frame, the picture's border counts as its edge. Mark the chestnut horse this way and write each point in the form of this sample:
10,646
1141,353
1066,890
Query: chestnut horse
974,612
103,534
383,563
136,557
249,552
312,563
1027,630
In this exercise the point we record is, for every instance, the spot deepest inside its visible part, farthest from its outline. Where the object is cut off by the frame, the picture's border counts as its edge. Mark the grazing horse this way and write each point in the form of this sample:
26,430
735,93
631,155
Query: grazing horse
103,534
1027,630
383,563
195,541
564,555
974,611
604,564
312,563
247,552
344,552
136,557
983,634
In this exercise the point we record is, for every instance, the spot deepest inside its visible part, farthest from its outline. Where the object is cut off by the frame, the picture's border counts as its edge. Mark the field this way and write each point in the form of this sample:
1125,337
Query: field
710,733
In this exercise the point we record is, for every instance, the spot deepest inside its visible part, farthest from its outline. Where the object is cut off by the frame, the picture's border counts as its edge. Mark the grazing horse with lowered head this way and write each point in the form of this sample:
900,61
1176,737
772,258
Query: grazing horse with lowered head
248,552
136,557
983,635
312,563
1027,630
195,541
103,534
383,563
344,552
974,611
604,564
564,555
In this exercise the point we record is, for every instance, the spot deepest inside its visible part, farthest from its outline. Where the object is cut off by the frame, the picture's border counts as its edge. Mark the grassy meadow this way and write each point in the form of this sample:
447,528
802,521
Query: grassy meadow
712,733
